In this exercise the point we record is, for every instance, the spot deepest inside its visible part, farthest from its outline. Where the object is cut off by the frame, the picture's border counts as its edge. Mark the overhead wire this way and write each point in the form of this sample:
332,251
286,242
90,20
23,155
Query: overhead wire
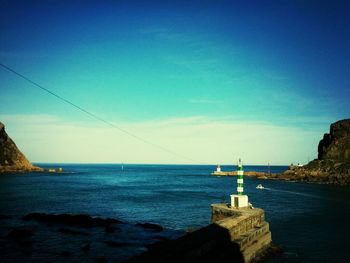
92,115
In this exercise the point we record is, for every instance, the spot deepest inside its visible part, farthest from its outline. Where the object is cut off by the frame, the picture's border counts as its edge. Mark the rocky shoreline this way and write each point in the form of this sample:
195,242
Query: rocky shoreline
331,167
34,169
333,163
15,169
322,174
317,171
42,237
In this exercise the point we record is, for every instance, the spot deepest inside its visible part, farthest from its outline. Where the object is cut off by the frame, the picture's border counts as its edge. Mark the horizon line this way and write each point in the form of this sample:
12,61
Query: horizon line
110,163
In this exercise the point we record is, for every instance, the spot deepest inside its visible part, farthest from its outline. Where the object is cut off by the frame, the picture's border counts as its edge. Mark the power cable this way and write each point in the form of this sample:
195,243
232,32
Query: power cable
92,115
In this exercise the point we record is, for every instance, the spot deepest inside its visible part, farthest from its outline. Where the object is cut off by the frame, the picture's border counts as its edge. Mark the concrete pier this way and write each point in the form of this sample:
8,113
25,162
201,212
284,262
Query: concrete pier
239,235
247,228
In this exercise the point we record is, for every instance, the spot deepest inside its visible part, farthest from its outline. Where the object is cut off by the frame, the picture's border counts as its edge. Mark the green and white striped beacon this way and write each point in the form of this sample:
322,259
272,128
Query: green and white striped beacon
240,172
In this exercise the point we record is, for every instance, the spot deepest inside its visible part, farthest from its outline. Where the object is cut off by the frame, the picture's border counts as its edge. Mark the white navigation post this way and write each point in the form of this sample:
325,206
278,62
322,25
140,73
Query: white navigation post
240,199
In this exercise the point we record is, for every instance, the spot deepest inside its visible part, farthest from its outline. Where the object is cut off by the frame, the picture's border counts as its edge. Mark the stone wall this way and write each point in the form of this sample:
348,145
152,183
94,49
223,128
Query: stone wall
235,235
247,228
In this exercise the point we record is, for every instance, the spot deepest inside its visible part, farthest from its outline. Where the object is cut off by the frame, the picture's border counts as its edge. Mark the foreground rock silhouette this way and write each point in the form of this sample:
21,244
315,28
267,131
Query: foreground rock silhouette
235,235
45,237
209,244
81,220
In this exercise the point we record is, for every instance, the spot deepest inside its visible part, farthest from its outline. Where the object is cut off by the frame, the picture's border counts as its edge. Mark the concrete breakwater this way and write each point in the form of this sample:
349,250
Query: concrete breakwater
247,228
235,235
314,172
262,175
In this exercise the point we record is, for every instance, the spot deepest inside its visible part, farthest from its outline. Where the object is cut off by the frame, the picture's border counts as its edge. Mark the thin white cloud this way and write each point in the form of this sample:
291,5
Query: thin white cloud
45,139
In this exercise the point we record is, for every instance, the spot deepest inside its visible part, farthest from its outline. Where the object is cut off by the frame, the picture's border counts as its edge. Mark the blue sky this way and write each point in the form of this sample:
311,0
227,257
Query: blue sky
276,71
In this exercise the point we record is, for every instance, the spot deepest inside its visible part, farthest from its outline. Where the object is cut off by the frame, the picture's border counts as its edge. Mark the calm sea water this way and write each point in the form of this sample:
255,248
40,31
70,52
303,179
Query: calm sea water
309,221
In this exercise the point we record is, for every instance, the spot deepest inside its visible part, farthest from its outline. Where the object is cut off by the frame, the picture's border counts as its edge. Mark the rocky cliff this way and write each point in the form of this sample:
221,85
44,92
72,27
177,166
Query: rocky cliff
333,163
11,158
335,145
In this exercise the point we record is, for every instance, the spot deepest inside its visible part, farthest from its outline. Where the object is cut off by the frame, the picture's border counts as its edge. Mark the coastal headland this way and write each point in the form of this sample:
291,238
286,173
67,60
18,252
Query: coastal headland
333,163
12,160
331,167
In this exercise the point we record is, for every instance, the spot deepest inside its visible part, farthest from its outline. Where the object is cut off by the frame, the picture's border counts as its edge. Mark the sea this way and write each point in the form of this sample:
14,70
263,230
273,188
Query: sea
309,221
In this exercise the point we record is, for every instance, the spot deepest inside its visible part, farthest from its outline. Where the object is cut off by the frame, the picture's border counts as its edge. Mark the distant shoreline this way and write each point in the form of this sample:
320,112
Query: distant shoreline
295,174
149,164
34,169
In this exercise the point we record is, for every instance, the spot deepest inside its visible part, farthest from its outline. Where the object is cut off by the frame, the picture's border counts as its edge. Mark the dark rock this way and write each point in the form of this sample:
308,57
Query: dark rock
209,244
19,233
97,221
116,243
151,226
333,163
11,158
112,229
158,243
72,220
25,246
23,238
161,238
86,247
336,144
70,231
101,259
65,253
5,217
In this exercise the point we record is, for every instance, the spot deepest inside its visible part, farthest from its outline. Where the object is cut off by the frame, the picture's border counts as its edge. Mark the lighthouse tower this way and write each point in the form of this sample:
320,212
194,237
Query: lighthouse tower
240,199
